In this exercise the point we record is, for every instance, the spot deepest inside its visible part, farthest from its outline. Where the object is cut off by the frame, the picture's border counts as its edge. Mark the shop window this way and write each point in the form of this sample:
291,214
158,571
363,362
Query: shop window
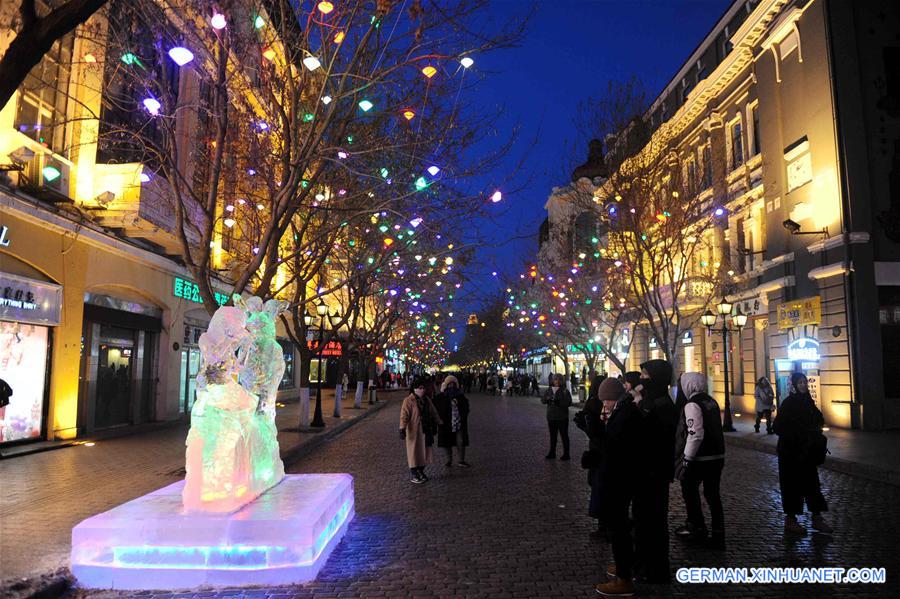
287,348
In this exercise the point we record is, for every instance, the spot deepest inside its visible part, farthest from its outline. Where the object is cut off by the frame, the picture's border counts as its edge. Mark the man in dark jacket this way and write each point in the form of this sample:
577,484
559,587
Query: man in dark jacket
623,460
651,503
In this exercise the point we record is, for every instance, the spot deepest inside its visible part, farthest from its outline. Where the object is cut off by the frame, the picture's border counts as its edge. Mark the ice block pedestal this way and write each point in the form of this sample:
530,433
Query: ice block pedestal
283,537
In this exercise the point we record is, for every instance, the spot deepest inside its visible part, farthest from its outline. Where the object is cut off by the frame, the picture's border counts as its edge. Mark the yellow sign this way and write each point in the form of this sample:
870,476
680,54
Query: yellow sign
800,312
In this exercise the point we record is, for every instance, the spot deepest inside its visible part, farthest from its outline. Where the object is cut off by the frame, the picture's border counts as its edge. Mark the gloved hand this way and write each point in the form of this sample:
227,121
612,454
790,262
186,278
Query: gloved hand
403,433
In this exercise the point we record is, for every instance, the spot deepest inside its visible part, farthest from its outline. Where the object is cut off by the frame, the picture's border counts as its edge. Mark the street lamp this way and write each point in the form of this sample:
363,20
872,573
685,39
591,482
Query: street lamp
318,421
738,320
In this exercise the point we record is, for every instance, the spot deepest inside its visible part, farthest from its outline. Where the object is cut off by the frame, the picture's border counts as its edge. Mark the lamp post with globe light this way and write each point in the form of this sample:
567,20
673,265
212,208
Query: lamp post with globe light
322,312
738,321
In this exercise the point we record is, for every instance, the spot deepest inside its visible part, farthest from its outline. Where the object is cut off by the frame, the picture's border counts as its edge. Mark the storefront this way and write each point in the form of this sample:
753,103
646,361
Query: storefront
29,311
799,321
119,362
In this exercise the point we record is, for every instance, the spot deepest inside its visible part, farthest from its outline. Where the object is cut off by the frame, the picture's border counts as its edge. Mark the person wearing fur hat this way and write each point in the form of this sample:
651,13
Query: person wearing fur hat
700,451
418,424
453,408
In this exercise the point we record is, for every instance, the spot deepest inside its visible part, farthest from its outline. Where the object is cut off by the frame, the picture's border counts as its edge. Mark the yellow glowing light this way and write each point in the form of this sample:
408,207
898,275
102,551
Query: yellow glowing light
325,7
339,37
409,114
388,241
269,53
429,71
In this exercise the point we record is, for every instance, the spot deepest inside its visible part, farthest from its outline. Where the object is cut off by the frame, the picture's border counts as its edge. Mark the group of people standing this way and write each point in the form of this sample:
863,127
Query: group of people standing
426,415
640,441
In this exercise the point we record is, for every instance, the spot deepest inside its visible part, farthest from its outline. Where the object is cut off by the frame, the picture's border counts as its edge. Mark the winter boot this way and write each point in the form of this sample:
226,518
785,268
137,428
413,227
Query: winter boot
792,526
819,524
615,588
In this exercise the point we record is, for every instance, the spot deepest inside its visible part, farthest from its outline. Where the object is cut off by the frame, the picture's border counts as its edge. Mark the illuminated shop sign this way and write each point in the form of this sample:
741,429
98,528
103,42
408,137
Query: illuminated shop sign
23,365
800,312
27,300
191,292
803,349
4,239
687,338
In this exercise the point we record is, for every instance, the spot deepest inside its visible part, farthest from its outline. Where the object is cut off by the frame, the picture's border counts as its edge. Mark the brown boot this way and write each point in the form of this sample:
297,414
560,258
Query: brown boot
611,570
615,588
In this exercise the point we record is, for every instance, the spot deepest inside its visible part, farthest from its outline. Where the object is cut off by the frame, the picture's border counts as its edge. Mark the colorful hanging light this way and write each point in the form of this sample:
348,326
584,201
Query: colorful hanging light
326,100
429,71
218,21
325,7
409,114
152,105
339,37
496,196
365,105
269,53
259,22
433,170
51,173
466,62
312,63
181,55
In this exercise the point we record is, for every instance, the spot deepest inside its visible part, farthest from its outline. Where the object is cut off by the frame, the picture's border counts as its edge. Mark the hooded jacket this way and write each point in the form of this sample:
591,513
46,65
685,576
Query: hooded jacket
660,418
699,435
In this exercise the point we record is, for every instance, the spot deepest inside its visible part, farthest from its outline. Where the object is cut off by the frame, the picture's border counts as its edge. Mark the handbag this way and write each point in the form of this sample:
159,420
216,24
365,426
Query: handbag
591,459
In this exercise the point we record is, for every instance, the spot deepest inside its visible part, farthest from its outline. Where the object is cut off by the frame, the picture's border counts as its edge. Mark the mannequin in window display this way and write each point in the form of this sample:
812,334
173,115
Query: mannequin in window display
232,448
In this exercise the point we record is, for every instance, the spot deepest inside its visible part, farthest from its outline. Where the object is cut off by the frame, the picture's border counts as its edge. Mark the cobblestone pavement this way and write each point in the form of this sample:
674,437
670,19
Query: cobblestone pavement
514,525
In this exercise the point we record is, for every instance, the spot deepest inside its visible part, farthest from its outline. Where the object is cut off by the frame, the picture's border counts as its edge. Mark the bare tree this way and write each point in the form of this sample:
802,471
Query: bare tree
36,29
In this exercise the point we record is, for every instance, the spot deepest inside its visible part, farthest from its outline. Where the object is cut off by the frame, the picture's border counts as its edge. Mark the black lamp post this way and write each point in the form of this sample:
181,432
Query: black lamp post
318,421
739,320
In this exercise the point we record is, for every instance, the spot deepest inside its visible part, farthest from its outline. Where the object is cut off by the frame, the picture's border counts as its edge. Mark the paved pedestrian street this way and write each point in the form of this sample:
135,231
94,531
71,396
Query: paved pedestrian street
514,525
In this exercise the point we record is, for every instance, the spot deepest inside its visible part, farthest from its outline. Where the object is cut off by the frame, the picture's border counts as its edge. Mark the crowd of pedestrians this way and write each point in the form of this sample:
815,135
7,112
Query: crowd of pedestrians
640,441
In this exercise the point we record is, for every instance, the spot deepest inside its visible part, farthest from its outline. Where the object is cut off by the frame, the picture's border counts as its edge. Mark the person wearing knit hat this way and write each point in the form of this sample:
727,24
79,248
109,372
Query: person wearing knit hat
453,408
591,420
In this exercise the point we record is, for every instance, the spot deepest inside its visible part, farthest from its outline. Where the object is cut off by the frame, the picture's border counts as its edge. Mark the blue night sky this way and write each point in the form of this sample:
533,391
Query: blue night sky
571,50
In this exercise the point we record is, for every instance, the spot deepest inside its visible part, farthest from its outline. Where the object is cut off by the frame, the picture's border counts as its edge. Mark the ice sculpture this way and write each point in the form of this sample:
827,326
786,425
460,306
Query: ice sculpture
232,447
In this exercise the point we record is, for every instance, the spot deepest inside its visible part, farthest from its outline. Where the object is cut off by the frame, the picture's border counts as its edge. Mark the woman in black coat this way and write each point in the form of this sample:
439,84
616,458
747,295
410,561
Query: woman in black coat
453,408
799,429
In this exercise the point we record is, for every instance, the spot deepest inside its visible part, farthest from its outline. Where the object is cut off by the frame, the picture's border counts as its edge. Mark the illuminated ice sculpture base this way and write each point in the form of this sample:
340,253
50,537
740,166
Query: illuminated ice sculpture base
283,537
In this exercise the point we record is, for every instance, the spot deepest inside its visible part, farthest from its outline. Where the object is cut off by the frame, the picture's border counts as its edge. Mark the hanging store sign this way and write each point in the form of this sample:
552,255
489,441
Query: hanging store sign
687,338
804,349
800,312
190,291
332,348
27,300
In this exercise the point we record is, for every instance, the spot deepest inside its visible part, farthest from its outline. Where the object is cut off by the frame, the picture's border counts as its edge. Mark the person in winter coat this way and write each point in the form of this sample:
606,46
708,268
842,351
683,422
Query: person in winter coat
631,379
765,401
651,503
700,450
418,423
624,452
558,400
453,408
599,404
799,428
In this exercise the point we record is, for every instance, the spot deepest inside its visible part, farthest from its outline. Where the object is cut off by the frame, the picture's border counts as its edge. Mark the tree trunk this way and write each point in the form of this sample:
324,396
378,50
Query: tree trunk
36,38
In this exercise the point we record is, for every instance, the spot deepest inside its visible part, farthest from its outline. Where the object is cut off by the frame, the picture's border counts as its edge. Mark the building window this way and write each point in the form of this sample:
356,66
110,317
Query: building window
287,348
754,129
690,174
43,97
707,166
737,145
